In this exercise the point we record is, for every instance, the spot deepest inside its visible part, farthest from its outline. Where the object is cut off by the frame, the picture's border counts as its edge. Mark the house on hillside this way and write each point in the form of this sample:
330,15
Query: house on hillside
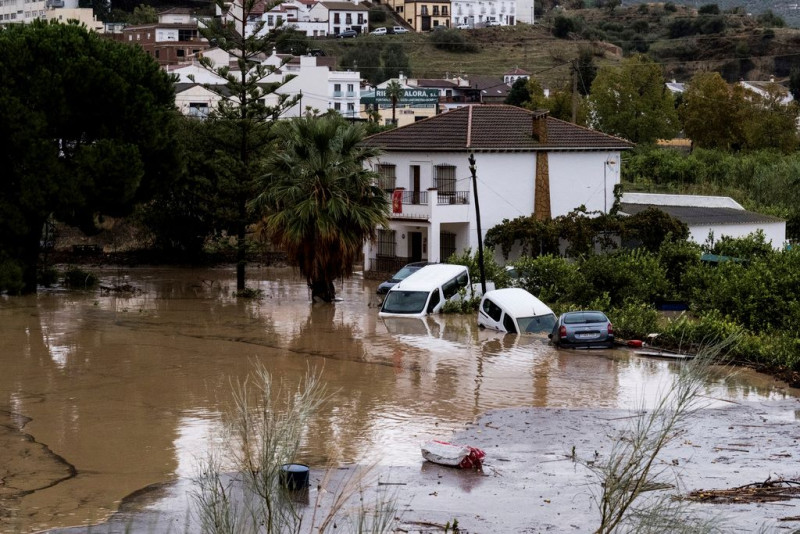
527,163
312,80
708,216
174,39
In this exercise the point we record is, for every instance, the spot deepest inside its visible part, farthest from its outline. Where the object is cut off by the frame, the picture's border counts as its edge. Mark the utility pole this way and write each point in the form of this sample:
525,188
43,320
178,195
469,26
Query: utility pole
478,219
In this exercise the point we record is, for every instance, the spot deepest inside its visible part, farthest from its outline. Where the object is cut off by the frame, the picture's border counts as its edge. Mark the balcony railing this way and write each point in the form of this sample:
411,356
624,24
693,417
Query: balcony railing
415,198
337,94
456,197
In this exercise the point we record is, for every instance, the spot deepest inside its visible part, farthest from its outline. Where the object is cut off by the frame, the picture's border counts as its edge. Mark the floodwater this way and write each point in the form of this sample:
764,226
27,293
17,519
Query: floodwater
105,393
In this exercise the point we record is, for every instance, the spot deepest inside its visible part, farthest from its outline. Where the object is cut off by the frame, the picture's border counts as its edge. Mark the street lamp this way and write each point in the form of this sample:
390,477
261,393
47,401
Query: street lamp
609,162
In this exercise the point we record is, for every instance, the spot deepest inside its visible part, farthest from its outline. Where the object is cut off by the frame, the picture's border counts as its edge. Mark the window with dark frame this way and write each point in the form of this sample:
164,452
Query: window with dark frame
444,179
447,245
387,179
386,243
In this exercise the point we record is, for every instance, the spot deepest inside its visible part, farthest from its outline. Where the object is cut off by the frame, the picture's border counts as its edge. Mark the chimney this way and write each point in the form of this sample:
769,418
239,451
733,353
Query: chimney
539,125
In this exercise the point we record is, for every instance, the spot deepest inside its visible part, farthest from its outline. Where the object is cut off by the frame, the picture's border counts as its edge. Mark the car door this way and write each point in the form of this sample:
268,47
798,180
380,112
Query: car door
490,315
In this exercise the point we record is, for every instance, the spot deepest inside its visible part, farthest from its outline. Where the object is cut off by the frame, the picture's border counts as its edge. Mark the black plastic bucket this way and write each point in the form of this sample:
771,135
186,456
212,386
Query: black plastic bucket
294,476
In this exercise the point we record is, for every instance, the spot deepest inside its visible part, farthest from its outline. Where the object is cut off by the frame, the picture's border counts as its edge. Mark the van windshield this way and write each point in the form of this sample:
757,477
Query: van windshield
405,302
537,323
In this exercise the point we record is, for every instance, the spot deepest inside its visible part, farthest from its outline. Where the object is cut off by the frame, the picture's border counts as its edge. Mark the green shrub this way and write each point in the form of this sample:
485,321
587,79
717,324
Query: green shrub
48,277
452,41
77,278
11,277
689,332
625,275
634,320
493,271
563,26
550,278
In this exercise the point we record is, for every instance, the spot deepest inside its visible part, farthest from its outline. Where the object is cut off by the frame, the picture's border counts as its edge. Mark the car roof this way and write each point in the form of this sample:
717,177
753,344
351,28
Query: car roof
518,302
429,277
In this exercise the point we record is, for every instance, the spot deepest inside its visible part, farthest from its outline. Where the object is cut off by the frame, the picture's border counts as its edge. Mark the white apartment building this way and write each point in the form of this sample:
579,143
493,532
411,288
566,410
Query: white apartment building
26,11
481,12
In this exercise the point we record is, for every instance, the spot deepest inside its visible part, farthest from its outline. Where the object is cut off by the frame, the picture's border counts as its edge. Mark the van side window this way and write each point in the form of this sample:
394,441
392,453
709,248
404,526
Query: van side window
452,286
435,299
492,309
508,324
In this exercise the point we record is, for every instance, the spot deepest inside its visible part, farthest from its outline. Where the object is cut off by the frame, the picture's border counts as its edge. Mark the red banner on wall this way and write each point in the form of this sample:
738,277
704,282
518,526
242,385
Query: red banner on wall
397,201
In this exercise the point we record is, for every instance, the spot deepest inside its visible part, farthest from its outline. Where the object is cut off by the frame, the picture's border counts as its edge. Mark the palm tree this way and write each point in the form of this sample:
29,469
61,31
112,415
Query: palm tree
394,91
318,202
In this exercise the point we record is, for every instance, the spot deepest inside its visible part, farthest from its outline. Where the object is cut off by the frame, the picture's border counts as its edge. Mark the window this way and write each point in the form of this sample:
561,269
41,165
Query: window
348,18
386,244
337,106
424,11
444,179
360,18
157,53
447,245
350,88
508,324
336,18
270,20
180,52
492,310
387,179
351,108
435,11
337,88
451,287
444,11
198,109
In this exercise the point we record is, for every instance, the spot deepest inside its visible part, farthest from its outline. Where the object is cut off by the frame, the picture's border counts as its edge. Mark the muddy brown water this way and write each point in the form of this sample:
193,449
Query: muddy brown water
104,393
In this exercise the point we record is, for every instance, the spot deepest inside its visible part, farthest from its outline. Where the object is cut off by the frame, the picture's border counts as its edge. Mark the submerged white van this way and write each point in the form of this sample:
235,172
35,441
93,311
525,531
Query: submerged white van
425,291
515,311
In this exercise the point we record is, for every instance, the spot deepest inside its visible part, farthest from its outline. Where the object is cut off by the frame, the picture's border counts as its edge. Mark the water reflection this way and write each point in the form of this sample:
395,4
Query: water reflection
132,388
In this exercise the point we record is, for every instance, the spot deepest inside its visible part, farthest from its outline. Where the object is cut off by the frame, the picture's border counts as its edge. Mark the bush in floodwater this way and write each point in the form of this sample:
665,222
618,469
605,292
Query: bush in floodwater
10,276
77,278
634,320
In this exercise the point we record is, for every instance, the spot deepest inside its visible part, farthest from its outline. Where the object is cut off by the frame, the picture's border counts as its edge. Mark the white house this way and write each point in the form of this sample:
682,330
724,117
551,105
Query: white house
707,215
481,12
340,16
526,163
311,79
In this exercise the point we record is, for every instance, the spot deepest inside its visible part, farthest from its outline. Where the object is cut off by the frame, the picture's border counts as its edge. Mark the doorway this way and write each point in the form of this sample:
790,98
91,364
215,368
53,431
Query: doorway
415,184
416,246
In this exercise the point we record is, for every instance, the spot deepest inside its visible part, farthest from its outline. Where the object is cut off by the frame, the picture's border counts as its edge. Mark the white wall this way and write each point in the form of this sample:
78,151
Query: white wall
582,178
774,233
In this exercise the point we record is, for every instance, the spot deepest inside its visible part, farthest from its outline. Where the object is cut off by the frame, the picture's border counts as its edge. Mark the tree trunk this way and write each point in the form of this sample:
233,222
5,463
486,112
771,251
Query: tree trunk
322,291
241,246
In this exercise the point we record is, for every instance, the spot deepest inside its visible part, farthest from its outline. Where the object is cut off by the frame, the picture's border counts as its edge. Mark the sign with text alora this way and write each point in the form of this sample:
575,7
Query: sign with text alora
411,97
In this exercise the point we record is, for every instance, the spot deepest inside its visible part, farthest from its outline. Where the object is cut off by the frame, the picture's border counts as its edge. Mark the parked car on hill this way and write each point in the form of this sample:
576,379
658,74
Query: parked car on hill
399,29
583,329
378,31
347,34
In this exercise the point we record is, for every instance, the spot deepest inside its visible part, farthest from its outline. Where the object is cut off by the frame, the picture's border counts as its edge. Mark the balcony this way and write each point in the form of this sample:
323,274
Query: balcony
338,94
425,205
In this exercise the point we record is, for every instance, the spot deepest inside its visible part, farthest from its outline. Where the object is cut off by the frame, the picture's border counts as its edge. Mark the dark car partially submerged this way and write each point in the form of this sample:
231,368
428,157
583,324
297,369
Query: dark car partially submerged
583,329
402,274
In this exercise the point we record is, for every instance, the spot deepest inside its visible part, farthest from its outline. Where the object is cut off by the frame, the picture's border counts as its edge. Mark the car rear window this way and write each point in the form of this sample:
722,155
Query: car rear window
585,317
537,323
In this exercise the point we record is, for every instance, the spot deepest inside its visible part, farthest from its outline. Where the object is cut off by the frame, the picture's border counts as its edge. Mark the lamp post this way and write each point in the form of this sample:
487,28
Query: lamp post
611,162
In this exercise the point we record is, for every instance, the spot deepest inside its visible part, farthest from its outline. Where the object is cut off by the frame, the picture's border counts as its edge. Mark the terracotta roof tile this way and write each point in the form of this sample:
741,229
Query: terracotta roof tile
492,127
